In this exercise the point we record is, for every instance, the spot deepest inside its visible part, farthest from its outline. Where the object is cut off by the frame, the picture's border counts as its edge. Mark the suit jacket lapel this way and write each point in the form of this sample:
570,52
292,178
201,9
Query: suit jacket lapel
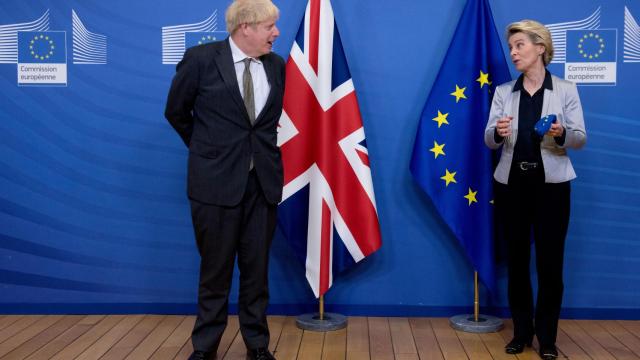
224,60
515,107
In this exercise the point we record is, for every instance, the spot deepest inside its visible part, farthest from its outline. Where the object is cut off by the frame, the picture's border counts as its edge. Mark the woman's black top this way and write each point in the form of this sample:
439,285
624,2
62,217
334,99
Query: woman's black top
529,112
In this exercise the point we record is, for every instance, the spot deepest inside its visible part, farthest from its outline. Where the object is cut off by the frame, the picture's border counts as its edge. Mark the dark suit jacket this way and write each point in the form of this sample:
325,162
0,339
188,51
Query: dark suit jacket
206,109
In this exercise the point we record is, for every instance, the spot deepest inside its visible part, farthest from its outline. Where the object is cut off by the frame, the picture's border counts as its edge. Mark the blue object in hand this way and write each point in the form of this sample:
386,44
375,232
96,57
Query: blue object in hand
543,125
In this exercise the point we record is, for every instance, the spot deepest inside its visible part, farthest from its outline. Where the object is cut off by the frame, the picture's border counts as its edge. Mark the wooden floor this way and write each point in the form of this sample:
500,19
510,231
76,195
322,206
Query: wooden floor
167,337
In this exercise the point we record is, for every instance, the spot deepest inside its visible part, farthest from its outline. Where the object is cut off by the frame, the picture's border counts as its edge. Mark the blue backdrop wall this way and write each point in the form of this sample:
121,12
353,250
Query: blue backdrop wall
93,211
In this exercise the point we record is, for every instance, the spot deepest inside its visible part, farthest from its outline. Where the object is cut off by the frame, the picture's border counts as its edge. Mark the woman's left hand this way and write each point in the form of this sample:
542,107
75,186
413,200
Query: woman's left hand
556,130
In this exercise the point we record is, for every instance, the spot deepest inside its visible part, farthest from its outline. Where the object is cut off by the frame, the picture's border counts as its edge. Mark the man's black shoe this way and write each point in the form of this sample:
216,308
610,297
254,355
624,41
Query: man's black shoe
516,346
200,355
260,354
548,352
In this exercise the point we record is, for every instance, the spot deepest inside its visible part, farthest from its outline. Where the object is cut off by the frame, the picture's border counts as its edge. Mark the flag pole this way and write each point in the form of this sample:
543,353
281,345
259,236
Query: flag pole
476,323
476,300
321,312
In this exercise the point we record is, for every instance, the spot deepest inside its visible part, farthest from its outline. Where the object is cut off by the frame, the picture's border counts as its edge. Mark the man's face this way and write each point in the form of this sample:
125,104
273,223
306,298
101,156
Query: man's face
260,37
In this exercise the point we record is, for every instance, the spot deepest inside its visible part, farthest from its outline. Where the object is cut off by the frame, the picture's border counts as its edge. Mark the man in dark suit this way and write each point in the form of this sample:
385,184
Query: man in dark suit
225,102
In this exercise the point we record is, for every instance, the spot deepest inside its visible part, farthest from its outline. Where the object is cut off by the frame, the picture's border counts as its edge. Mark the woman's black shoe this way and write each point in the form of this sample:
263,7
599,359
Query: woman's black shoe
516,346
548,352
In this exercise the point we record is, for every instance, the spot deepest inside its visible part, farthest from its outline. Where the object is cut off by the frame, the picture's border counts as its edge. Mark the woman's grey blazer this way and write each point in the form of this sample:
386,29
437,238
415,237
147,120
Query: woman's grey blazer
563,101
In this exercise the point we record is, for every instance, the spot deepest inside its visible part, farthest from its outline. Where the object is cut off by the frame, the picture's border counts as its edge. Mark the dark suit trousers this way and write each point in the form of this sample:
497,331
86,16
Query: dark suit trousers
529,205
221,233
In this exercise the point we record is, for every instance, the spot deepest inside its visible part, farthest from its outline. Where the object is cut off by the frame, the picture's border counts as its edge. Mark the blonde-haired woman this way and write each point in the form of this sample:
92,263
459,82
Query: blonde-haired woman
532,181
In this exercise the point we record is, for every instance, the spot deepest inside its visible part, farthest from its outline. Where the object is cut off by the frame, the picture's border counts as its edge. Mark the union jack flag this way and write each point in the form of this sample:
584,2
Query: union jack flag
328,212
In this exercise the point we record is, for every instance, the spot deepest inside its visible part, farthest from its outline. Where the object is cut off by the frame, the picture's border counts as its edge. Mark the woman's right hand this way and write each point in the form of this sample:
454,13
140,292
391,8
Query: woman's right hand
503,126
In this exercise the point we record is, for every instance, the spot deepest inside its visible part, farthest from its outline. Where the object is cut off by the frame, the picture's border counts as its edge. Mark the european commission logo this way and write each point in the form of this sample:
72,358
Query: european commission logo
177,38
589,52
591,56
41,53
196,38
42,58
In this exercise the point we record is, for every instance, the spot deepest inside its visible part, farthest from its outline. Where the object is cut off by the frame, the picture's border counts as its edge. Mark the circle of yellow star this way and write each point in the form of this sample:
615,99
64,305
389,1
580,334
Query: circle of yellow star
483,79
449,177
36,52
437,149
459,93
591,54
441,119
471,196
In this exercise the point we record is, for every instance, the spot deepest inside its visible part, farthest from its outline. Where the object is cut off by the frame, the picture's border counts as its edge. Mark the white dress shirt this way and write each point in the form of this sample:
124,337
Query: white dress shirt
261,85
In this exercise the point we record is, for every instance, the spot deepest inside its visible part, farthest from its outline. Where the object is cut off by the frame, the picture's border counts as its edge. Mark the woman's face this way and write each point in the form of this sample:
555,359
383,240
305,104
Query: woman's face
525,55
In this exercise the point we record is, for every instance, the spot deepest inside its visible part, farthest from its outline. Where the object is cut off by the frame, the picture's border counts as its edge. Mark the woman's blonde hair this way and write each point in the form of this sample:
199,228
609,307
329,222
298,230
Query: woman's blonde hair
249,12
538,34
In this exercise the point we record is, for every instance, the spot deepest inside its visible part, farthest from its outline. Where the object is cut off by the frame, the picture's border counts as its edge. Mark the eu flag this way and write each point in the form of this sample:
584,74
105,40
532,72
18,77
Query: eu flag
450,161
37,47
594,45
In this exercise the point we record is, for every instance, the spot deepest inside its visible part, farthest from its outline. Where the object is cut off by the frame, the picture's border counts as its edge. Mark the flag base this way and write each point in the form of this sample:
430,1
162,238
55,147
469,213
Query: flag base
467,323
330,322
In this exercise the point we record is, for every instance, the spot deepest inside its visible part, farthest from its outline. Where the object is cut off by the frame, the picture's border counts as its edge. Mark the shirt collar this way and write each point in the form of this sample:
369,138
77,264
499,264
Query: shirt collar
547,83
238,55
